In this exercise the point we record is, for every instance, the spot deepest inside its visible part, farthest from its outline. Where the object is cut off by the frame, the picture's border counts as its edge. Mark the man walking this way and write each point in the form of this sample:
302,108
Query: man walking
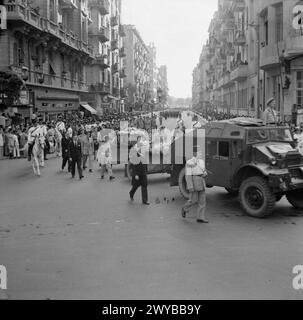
33,132
139,171
195,174
66,140
75,155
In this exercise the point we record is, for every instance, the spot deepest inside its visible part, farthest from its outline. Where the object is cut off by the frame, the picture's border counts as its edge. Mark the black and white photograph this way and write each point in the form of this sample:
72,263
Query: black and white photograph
151,150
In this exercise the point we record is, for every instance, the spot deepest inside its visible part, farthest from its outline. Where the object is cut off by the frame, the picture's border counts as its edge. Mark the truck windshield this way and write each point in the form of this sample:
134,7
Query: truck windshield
266,134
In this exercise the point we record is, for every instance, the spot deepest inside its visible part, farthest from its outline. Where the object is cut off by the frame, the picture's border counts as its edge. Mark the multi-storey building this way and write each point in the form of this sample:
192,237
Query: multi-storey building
138,70
251,41
153,70
162,85
46,42
106,73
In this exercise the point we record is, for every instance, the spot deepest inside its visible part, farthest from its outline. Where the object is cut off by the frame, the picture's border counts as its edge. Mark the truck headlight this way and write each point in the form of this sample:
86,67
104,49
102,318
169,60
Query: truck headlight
273,161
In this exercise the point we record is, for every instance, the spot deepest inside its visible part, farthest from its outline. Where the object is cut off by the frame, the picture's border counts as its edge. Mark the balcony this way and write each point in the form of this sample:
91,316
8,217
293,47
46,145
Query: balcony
238,5
115,68
114,45
68,4
123,93
102,88
122,52
103,61
240,39
122,31
17,12
240,73
116,92
122,73
103,33
102,5
114,21
38,78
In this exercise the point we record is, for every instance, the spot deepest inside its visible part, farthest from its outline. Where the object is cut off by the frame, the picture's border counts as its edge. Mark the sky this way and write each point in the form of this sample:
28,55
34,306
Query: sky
179,28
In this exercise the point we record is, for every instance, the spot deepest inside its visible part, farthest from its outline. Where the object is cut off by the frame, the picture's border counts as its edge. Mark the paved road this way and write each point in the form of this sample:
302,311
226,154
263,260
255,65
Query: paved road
65,239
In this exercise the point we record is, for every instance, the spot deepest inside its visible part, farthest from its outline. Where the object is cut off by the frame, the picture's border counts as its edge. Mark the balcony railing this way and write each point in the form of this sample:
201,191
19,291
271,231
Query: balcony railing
122,52
103,61
114,21
103,33
102,5
18,11
114,45
115,68
102,88
240,38
54,81
239,73
122,73
122,31
116,92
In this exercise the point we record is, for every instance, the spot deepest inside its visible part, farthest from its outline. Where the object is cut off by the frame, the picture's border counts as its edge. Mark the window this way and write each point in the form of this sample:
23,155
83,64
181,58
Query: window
299,88
52,10
279,22
224,149
211,148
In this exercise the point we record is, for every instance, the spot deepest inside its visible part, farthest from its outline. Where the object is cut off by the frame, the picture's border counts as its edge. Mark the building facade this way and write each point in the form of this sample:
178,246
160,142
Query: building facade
162,86
138,69
46,43
253,53
68,52
105,75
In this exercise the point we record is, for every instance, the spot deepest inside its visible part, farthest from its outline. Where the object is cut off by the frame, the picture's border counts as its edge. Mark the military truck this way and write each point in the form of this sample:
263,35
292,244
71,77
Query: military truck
259,163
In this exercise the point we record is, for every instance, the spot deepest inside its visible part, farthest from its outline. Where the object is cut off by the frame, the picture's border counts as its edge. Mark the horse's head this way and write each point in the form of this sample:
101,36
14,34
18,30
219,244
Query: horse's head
41,141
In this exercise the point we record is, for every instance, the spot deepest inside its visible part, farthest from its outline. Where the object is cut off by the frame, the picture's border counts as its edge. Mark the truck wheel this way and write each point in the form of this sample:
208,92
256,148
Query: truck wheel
182,184
295,198
129,171
256,198
232,192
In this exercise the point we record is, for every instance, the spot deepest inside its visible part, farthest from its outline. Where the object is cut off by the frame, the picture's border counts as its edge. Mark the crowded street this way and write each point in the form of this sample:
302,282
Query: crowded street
70,239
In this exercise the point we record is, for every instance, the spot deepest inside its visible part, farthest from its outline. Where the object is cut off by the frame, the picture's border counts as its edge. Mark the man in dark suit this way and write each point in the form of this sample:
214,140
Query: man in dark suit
139,171
75,155
65,151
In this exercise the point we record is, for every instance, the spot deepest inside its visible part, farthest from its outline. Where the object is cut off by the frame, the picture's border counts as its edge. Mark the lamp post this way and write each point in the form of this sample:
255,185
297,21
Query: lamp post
257,29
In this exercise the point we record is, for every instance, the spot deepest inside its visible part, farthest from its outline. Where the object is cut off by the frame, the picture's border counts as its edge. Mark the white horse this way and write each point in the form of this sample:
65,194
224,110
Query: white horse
58,139
38,154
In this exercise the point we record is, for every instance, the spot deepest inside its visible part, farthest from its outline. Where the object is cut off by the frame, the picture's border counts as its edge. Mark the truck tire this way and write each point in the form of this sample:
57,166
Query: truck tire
256,197
182,184
295,198
129,171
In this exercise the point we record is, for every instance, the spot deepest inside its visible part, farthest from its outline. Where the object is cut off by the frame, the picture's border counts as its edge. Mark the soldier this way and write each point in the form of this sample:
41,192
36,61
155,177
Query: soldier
270,115
43,132
32,134
195,174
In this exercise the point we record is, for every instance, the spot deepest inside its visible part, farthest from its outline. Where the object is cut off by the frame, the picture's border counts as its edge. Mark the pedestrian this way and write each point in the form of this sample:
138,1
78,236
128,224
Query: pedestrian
104,158
85,148
65,151
195,175
75,156
16,151
91,152
11,143
1,143
139,171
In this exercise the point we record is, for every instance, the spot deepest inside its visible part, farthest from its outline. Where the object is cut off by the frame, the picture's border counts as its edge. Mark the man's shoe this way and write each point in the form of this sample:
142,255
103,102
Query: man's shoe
73,177
146,203
81,177
90,170
183,213
112,178
102,177
202,221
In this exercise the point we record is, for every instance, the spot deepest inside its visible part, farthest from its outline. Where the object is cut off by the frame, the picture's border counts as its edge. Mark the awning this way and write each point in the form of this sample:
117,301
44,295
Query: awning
88,108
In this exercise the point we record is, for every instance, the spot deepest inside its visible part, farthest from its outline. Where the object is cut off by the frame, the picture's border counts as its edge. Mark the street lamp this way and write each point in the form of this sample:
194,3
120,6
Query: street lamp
257,29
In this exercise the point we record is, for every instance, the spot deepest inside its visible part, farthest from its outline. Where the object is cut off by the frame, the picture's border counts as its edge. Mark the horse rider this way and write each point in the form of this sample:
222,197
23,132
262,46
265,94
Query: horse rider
44,133
60,130
33,132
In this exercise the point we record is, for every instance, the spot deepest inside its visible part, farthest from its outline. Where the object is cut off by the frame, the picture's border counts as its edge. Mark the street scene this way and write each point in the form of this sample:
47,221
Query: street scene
125,175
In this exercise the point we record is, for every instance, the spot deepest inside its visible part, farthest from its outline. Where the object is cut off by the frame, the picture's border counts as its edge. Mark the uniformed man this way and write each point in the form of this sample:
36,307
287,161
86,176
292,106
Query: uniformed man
43,133
33,132
195,175
270,115
139,171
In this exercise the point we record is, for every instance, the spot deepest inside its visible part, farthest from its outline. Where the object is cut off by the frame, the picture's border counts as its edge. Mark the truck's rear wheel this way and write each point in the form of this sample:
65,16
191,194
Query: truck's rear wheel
295,198
256,197
182,184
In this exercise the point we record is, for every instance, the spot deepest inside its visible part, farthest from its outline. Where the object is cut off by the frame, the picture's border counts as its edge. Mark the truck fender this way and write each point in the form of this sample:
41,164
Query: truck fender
247,171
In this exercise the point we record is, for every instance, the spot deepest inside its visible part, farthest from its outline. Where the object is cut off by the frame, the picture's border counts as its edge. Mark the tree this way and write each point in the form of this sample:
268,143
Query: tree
10,86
